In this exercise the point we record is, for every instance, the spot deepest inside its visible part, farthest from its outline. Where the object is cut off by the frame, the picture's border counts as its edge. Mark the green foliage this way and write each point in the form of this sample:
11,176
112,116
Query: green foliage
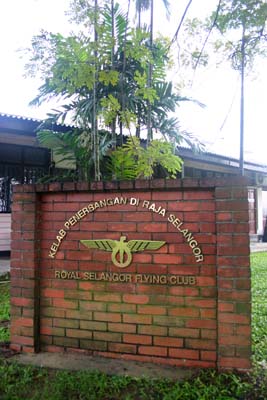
20,383
132,160
242,21
74,148
232,23
259,306
119,71
103,81
25,382
4,311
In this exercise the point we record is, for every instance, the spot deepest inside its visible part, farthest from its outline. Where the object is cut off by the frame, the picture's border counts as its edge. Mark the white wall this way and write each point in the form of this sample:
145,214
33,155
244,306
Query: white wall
5,231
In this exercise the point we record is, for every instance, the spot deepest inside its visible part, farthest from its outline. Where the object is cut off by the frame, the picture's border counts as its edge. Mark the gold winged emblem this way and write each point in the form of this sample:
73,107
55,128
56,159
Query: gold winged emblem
122,251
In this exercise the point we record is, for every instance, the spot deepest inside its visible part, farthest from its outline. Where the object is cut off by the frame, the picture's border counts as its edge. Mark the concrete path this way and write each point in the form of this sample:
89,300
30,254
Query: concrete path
76,362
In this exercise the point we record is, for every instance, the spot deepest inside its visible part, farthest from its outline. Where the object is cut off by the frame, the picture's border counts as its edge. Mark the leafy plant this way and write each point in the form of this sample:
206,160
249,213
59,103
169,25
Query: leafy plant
4,311
103,78
259,307
132,160
75,150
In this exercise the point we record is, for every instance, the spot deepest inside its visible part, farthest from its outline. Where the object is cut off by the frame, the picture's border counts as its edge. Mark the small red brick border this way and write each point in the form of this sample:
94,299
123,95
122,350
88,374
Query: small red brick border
232,318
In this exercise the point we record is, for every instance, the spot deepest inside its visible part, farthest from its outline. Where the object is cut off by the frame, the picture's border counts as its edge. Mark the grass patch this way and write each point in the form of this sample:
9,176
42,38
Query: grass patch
259,306
4,311
20,382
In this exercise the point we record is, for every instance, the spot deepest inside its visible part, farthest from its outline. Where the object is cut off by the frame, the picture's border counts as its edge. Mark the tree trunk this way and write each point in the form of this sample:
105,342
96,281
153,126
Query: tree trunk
150,72
95,119
113,124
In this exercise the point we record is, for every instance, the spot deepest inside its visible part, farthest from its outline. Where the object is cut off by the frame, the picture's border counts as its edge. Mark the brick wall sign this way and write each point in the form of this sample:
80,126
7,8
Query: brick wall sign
154,271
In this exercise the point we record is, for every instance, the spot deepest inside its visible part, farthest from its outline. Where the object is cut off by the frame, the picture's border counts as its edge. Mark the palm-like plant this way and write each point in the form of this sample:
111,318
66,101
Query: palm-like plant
102,79
142,5
75,150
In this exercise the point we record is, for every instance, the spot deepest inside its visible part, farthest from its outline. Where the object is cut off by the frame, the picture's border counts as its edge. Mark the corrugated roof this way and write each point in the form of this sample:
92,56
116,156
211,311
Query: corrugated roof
19,117
28,126
24,125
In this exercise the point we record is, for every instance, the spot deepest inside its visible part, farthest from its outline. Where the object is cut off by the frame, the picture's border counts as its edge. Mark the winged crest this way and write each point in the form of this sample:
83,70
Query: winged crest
122,251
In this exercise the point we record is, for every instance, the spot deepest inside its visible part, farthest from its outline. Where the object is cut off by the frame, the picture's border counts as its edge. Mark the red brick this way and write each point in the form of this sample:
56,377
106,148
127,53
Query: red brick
167,259
208,355
123,328
225,307
152,330
79,333
65,341
25,197
184,332
153,351
233,318
152,227
122,308
120,287
53,349
121,227
137,299
238,340
198,195
27,349
56,293
184,354
169,196
107,216
107,317
137,319
200,344
22,321
206,281
208,334
158,183
22,340
137,339
22,302
243,330
168,341
107,336
184,312
242,284
207,313
67,304
199,323
152,289
122,348
52,331
240,295
92,306
151,310
92,286
201,303
107,297
234,363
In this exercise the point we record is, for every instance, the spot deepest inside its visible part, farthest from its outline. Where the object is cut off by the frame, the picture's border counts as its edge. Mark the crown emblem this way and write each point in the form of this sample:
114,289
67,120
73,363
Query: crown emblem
122,251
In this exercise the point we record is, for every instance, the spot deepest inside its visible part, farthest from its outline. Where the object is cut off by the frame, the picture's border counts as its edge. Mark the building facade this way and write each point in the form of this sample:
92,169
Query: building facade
23,160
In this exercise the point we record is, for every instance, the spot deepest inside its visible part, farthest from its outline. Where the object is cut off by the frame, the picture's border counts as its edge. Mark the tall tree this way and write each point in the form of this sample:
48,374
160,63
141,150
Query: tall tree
101,75
143,5
246,19
242,24
236,30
